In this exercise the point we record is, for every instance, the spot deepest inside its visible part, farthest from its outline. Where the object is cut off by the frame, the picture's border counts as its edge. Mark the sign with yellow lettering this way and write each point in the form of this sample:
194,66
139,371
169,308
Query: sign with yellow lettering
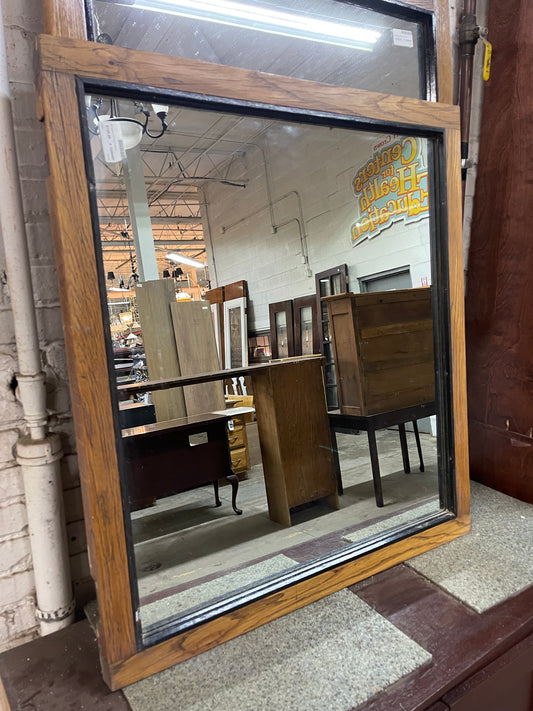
391,187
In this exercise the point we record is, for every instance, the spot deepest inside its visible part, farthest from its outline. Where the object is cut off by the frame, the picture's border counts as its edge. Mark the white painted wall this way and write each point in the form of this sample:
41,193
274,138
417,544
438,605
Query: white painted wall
22,23
310,171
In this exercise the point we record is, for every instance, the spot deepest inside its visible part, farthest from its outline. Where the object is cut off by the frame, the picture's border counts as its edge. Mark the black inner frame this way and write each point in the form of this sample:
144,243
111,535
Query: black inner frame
424,19
172,626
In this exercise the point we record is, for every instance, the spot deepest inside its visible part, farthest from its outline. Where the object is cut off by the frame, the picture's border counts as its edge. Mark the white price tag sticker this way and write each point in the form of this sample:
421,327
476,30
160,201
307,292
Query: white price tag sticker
402,38
112,143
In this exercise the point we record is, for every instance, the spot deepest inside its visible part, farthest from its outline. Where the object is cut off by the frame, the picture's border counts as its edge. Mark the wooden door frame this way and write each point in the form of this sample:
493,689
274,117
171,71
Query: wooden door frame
286,308
64,62
297,305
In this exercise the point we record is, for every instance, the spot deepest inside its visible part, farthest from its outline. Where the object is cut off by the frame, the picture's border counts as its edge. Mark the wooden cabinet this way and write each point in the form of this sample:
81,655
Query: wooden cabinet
383,349
293,427
238,445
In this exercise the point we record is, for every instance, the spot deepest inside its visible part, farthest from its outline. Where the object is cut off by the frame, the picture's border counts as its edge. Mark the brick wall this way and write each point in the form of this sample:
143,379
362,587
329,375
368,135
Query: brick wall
22,24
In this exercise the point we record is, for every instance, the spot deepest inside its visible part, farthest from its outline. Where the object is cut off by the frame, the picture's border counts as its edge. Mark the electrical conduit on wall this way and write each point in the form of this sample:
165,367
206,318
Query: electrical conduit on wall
39,452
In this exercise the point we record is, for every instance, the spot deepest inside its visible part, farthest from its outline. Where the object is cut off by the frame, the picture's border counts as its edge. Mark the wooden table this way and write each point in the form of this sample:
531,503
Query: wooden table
351,424
163,458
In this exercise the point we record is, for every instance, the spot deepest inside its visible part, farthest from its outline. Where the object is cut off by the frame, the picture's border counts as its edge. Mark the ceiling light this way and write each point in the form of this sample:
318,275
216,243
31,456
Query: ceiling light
266,19
184,260
131,130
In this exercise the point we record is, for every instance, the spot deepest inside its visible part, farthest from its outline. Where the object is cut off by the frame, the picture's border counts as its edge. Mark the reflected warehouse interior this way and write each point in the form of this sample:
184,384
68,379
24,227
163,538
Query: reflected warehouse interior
271,319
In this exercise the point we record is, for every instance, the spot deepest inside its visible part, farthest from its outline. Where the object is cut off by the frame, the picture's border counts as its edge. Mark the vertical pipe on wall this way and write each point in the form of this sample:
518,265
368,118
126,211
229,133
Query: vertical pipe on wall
39,452
468,37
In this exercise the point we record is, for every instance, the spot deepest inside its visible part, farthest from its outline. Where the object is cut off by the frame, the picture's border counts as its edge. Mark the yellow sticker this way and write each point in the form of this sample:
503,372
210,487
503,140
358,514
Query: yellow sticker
487,59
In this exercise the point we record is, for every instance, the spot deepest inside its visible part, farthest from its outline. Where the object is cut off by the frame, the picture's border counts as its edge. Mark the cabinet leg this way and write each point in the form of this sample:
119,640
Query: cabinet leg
418,445
403,445
234,481
336,464
375,467
217,498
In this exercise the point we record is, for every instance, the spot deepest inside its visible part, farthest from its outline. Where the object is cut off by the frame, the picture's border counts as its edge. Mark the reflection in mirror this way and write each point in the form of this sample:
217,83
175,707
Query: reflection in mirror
322,40
239,467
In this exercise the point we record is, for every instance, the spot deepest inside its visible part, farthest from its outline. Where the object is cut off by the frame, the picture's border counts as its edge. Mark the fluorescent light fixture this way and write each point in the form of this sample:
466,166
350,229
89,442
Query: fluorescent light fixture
180,259
267,19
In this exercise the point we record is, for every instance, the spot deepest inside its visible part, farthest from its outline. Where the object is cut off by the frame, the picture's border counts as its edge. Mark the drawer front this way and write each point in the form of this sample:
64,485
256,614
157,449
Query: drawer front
236,438
239,459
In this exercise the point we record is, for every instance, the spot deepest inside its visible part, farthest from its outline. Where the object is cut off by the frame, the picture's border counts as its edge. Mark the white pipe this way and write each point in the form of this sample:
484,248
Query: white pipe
39,453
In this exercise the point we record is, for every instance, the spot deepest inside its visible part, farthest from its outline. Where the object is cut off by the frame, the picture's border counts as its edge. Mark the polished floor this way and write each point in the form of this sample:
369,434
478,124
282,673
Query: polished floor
185,541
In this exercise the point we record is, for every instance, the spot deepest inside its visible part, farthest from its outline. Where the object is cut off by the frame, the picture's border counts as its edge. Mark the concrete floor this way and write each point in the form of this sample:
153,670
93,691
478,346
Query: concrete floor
184,541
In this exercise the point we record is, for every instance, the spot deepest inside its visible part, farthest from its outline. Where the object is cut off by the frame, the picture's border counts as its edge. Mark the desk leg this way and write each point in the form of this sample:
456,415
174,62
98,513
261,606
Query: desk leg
336,463
418,445
378,493
403,444
234,481
217,498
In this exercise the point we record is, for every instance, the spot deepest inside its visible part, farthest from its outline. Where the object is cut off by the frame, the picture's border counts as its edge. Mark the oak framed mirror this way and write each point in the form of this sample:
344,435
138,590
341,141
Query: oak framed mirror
280,179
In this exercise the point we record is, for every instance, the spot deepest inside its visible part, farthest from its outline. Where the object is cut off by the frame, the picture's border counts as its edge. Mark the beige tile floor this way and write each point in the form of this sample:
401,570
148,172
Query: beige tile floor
185,538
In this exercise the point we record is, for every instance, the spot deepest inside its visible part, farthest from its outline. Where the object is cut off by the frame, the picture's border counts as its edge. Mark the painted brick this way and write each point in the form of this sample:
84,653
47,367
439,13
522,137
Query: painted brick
73,505
49,325
84,591
77,541
8,439
69,471
79,566
24,13
13,519
45,289
24,104
16,557
11,484
20,47
16,587
17,623
31,150
40,245
35,200
7,328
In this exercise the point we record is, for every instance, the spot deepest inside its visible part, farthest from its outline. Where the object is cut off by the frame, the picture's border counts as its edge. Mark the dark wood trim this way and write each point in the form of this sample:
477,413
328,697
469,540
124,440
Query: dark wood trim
286,308
297,305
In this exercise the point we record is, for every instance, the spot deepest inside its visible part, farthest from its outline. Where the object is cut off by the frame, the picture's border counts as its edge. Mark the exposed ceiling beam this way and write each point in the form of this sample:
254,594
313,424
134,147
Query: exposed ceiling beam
172,220
199,244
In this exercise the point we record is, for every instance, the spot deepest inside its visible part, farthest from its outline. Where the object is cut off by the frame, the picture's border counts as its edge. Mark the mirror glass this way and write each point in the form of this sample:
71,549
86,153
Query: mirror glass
322,40
227,238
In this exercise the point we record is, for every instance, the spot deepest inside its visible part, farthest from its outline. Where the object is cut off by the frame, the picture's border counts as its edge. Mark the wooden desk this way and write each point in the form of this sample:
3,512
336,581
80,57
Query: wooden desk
350,424
292,422
162,458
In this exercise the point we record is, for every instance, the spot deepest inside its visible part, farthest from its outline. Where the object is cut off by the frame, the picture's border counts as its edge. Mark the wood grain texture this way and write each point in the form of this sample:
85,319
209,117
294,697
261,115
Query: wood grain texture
500,278
194,336
88,375
444,51
185,75
65,18
211,634
154,299
457,319
85,335
294,434
383,349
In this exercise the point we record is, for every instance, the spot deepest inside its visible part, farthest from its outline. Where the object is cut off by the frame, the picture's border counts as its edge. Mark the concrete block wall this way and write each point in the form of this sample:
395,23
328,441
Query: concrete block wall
22,23
310,178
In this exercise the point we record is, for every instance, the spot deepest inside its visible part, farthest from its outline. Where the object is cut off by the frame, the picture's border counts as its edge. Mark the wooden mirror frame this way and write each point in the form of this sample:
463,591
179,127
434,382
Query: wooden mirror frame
63,63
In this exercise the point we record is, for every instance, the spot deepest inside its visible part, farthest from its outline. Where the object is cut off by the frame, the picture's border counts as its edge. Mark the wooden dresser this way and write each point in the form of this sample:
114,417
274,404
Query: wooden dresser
238,439
383,349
